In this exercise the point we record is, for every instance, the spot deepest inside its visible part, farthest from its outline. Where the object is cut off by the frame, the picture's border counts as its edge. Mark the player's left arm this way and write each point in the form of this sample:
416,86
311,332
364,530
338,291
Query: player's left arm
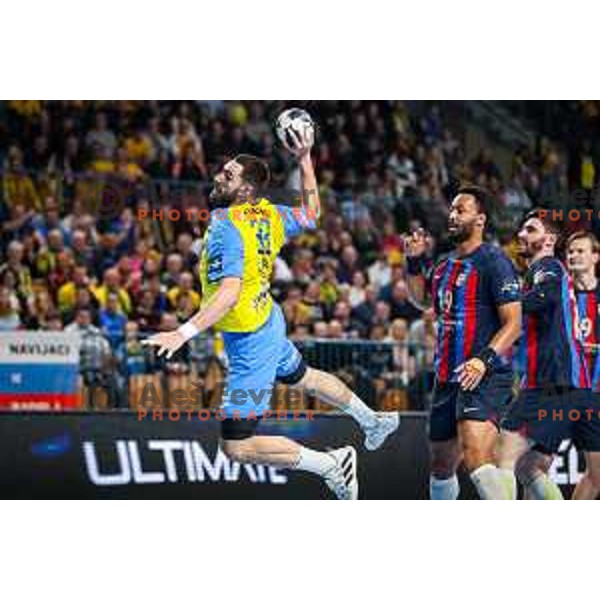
311,201
506,296
300,148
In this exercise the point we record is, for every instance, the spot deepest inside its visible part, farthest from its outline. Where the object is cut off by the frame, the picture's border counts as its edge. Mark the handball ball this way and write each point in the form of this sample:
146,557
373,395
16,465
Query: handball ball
298,120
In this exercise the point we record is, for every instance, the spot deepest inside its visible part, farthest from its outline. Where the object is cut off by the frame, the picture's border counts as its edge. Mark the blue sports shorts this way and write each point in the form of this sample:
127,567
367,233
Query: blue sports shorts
256,360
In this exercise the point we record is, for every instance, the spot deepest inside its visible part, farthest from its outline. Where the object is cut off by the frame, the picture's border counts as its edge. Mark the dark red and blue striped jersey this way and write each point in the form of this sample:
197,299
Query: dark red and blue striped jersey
552,353
589,332
466,293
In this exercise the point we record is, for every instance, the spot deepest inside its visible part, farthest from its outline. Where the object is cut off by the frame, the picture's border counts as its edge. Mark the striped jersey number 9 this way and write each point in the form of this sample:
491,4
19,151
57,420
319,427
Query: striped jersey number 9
263,236
583,327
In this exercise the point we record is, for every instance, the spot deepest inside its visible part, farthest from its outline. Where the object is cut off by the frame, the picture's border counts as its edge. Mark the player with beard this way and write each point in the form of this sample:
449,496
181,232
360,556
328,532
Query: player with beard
245,235
555,375
476,298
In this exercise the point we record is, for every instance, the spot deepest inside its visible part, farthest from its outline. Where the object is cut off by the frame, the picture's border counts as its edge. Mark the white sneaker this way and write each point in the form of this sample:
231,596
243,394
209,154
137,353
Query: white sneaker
386,423
342,479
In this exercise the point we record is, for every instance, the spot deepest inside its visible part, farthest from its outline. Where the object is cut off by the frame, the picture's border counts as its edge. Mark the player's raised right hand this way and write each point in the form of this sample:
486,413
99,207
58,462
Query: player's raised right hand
415,243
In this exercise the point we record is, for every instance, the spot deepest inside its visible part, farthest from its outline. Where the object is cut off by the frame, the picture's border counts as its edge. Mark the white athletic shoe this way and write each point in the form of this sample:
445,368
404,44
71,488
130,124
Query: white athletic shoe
342,479
386,423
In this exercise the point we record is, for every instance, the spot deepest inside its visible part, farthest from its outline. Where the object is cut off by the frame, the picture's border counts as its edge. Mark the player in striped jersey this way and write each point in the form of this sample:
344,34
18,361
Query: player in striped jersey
475,296
555,376
583,253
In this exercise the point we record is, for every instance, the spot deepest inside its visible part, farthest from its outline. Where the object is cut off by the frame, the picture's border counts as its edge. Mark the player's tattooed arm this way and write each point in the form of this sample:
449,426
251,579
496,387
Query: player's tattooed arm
310,190
300,148
219,305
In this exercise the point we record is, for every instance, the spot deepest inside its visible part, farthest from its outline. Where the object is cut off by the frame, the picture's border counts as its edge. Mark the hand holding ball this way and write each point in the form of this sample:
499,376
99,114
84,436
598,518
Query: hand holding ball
296,131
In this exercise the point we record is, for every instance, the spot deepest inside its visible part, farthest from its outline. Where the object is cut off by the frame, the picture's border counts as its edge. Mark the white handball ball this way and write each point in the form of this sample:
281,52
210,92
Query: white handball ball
297,120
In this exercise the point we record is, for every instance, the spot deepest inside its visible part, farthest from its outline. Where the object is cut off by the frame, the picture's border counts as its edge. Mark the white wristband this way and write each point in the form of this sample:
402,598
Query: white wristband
188,330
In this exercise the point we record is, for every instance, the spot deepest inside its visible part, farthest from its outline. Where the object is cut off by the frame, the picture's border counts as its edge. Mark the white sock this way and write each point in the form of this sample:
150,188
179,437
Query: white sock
543,488
314,461
361,412
444,489
490,483
510,482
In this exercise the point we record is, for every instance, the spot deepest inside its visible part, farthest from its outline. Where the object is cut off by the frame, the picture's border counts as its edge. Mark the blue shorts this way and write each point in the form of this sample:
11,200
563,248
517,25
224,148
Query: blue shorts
550,415
450,404
256,360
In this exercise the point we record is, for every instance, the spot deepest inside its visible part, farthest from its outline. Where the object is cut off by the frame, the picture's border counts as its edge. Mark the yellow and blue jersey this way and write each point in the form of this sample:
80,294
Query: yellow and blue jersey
243,241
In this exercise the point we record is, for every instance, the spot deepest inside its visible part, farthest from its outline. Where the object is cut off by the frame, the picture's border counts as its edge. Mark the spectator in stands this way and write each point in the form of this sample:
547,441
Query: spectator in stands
47,256
112,321
312,299
147,311
84,299
330,287
187,250
382,313
95,355
45,222
9,311
173,270
365,311
184,309
40,311
112,283
108,253
342,314
296,312
101,140
184,289
357,291
402,360
320,330
18,187
82,250
302,266
349,264
62,271
97,363
401,305
20,272
396,274
133,358
335,330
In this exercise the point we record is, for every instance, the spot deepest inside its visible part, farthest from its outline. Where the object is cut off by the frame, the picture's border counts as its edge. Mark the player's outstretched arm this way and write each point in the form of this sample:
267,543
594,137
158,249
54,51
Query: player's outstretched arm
310,190
220,304
300,148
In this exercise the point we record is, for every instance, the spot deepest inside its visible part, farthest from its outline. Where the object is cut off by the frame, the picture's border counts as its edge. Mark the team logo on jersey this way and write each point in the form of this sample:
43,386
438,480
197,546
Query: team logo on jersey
509,286
215,266
541,276
461,279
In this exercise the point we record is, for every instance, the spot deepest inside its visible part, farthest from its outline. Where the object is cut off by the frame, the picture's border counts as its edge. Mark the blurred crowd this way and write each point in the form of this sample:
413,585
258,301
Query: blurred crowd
75,256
